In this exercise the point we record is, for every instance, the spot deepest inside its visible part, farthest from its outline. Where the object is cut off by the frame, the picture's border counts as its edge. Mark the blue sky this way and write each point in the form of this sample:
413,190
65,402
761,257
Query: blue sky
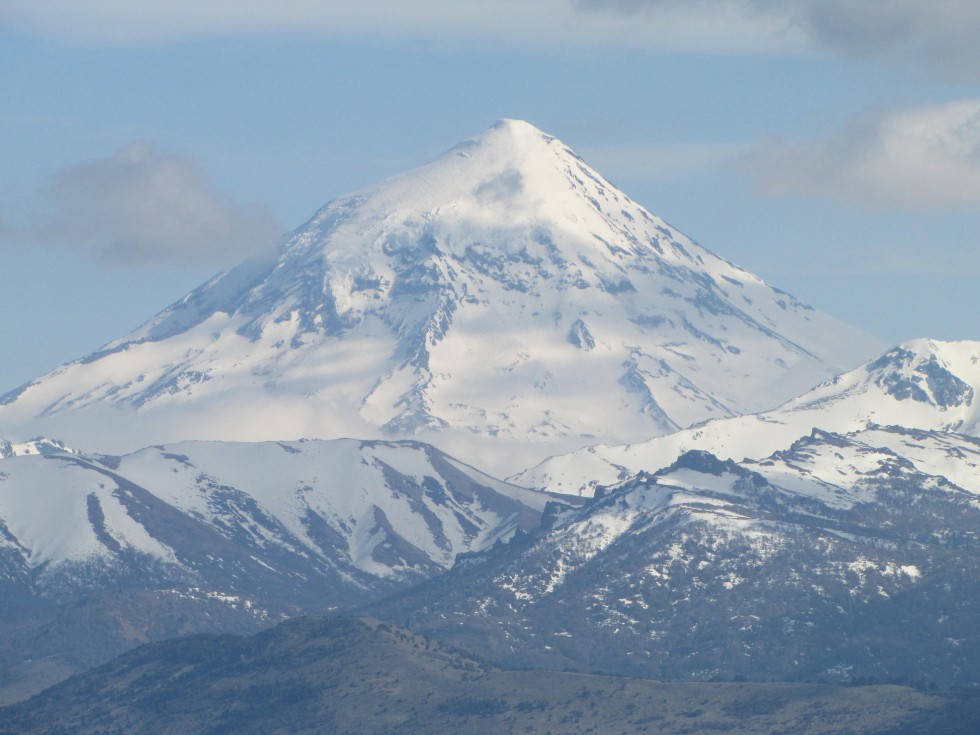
830,146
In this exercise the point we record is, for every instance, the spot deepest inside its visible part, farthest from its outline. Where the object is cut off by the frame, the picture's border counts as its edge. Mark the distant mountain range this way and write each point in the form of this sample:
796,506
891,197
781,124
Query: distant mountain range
842,558
221,535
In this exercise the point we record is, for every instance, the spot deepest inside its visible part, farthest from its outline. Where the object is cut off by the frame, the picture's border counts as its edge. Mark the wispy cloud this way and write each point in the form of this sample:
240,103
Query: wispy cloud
672,26
650,162
940,34
914,158
141,206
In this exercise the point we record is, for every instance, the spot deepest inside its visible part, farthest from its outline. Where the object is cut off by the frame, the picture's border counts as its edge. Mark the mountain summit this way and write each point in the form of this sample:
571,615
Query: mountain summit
504,301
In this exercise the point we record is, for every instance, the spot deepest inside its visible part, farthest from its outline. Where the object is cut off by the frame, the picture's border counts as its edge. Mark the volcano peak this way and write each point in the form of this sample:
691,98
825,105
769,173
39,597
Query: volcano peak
504,302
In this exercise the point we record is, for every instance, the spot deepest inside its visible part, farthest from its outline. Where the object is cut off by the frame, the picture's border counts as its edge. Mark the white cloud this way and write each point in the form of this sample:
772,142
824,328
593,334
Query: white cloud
674,26
141,206
940,34
916,158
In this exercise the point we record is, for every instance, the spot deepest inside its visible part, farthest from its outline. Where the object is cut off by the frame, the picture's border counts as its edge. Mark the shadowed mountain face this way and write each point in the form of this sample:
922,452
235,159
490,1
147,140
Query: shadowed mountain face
842,558
98,554
504,302
361,676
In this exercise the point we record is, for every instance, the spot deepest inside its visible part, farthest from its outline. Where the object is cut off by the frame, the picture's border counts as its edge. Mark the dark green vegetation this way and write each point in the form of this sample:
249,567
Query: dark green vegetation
352,676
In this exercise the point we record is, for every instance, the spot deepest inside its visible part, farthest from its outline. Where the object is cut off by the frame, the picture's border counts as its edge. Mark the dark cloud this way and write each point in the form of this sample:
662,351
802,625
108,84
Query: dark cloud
141,206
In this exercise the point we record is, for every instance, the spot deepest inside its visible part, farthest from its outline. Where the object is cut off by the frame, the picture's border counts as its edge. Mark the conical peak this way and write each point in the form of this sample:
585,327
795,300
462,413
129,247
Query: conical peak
514,124
510,176
516,136
512,197
425,304
510,147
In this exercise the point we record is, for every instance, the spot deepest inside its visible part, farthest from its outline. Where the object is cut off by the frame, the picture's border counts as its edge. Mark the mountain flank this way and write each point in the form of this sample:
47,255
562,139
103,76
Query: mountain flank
841,558
100,553
363,677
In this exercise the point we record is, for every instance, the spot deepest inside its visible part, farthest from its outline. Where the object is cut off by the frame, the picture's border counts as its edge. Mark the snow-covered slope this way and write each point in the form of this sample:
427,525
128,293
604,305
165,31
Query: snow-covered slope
314,523
843,557
505,302
38,445
99,554
844,470
923,384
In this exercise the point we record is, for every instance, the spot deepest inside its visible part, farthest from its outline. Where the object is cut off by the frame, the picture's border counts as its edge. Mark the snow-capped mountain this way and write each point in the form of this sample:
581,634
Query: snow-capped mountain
922,384
38,445
101,553
323,523
505,302
845,557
